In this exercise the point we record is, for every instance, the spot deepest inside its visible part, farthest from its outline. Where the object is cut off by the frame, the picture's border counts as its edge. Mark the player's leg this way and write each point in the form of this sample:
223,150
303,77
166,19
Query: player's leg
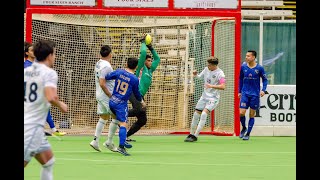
142,120
121,112
254,105
210,105
244,105
53,127
32,141
195,119
114,124
137,112
45,157
136,106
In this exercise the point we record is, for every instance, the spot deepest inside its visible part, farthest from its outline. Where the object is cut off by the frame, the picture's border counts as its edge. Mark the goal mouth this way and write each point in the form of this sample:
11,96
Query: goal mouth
183,43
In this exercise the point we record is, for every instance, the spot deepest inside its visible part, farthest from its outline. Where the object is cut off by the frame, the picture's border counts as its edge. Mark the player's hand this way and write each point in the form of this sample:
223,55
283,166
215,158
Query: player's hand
63,107
262,93
142,39
143,104
195,72
239,95
150,47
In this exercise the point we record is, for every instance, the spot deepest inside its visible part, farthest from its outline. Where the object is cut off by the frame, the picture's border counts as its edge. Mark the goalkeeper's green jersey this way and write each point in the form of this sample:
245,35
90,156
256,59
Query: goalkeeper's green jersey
144,73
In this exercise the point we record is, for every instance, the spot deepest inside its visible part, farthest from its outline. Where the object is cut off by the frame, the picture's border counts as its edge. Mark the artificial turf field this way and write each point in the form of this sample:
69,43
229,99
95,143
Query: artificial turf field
169,158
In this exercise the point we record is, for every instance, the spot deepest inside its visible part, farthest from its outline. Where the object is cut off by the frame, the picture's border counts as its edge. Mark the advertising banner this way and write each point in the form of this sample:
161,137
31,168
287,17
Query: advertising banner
206,4
137,3
63,2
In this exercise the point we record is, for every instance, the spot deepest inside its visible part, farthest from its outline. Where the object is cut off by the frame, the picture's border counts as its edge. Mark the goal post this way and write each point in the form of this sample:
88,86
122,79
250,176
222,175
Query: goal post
184,35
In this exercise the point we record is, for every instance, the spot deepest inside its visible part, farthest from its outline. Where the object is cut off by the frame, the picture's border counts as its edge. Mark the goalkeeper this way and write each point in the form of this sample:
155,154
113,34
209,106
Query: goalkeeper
144,72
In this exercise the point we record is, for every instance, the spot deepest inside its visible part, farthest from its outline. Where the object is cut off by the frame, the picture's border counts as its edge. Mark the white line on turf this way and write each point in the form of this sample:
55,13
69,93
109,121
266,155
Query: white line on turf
174,163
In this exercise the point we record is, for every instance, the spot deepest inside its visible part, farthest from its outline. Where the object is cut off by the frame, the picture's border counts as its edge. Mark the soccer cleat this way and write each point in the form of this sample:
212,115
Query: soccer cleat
47,134
243,131
246,137
58,133
95,145
127,145
130,140
111,147
192,138
123,151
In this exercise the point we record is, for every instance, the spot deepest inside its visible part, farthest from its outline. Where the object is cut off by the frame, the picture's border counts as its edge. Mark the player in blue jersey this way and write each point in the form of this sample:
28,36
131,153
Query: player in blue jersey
250,91
29,58
125,83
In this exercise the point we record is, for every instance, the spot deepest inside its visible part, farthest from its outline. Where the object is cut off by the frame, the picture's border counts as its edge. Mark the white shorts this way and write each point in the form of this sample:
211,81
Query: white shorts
103,107
35,141
207,103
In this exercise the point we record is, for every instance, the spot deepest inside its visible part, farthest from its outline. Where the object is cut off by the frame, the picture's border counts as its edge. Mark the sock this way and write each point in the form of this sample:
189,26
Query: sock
47,170
112,130
54,129
243,122
50,120
203,119
250,126
122,135
194,123
99,128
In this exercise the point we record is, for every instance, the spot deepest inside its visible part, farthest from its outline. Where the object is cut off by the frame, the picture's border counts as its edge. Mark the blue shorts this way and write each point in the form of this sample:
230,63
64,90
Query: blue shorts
120,110
247,101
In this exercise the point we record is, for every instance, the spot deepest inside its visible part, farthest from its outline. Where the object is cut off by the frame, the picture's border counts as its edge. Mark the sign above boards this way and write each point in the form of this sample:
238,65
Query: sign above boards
63,2
165,4
137,3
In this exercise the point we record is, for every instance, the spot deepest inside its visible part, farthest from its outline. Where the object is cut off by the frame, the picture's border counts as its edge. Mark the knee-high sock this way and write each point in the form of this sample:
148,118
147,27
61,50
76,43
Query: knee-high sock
203,119
47,170
112,130
243,121
99,128
50,122
250,125
194,123
122,135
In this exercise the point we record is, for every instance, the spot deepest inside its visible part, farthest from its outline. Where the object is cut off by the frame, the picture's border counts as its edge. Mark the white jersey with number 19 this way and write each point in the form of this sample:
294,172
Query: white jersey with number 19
36,106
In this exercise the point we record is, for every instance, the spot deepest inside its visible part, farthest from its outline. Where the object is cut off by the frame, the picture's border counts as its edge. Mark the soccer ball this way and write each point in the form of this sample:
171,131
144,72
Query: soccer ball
148,39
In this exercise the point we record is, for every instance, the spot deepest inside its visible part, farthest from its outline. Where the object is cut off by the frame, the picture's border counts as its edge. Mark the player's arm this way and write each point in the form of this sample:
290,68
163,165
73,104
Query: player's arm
241,76
198,76
103,81
135,89
264,78
142,58
112,75
50,91
156,58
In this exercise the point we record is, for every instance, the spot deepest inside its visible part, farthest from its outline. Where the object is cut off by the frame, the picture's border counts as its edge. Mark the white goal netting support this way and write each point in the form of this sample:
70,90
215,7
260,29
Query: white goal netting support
183,43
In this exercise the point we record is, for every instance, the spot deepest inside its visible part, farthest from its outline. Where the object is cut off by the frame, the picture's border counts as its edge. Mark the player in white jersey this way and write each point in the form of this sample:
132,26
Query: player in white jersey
40,92
104,90
214,81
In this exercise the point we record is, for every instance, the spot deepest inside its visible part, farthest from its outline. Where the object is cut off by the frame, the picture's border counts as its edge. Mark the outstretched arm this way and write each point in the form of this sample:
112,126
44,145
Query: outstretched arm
156,58
142,58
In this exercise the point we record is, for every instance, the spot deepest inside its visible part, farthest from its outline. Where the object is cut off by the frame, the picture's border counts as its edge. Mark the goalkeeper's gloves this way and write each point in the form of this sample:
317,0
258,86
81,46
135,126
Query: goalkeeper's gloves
150,47
143,38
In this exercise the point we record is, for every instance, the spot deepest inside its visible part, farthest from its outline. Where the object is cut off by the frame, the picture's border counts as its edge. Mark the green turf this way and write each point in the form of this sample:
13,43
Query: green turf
169,158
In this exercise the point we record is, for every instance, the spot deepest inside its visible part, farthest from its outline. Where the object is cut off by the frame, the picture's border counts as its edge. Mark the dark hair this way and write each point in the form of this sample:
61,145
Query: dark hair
43,48
148,56
26,48
213,60
132,63
105,50
254,53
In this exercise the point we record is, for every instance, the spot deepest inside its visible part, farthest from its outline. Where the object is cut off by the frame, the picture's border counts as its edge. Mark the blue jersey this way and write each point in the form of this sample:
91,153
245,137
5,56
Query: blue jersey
27,63
249,82
125,84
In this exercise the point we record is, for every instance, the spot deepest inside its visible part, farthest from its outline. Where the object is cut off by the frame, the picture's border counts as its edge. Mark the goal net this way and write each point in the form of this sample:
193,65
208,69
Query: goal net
183,44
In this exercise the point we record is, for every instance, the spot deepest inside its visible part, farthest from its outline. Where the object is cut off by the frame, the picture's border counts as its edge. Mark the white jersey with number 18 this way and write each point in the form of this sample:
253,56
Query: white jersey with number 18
36,106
